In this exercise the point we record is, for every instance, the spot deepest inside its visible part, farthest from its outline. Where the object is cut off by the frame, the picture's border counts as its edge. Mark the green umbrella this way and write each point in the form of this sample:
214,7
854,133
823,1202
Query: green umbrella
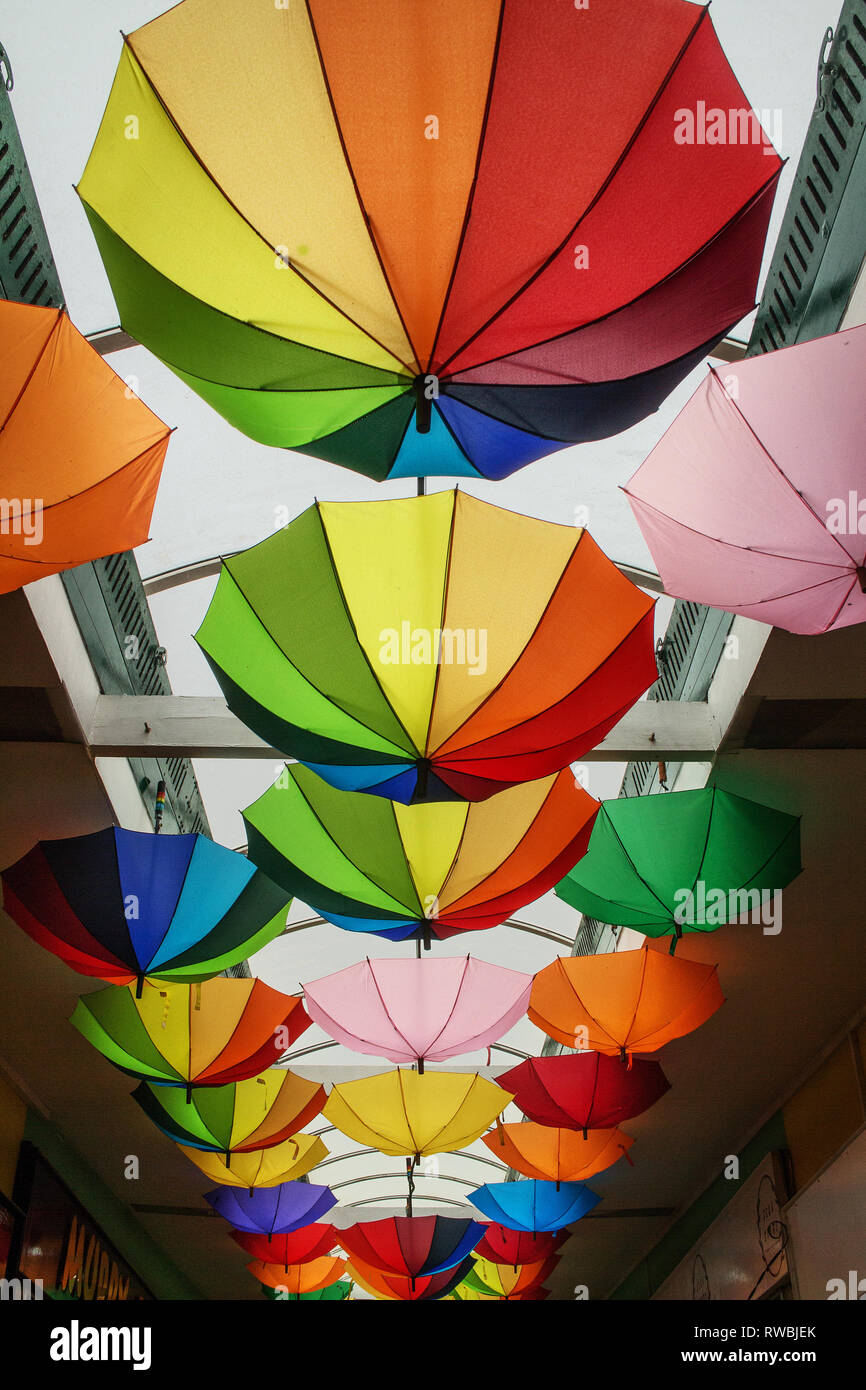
685,862
334,1293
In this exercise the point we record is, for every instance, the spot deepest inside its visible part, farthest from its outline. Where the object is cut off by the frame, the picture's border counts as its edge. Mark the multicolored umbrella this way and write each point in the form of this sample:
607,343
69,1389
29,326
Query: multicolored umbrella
80,455
298,1279
292,1248
503,1281
557,1155
403,872
123,905
272,1211
586,1090
238,1118
413,1247
427,648
531,1206
686,862
504,1246
515,270
418,1010
783,430
393,1287
332,1293
400,1112
623,1001
191,1035
252,1169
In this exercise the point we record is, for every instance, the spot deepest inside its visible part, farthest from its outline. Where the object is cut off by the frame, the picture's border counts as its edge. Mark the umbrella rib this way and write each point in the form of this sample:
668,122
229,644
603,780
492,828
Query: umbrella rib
361,207
597,1021
634,869
443,609
154,953
476,472
253,228
644,966
55,332
451,1011
467,214
416,1149
548,260
713,790
397,1030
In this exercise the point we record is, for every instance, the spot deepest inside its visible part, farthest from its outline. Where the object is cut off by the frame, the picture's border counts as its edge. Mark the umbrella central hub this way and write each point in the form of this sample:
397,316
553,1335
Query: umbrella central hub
426,388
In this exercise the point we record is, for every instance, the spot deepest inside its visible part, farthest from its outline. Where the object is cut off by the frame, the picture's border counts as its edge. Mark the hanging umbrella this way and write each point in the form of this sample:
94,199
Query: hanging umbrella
282,1163
531,1206
272,1210
392,1287
585,1090
503,1246
418,1010
426,648
688,861
623,1001
240,1117
191,1035
557,1155
293,1248
400,1112
514,271
80,455
297,1279
414,871
414,1246
478,1293
332,1293
784,432
505,1281
123,905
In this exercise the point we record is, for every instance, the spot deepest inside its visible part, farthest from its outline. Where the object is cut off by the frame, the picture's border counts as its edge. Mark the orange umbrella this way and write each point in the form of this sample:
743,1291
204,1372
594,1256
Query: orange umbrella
623,1002
306,1278
557,1155
80,455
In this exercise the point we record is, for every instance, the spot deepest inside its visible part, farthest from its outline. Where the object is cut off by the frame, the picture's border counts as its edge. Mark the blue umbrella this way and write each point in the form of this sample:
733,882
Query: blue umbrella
533,1205
272,1211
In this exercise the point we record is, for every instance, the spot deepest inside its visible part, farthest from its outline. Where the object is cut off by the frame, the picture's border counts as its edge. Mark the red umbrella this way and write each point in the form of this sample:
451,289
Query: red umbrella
291,1248
505,1247
411,1246
586,1090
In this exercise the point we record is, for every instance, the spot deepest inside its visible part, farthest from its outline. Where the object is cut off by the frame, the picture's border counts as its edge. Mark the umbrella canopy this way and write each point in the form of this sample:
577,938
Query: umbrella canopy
400,1112
426,648
505,1281
80,455
530,1206
191,1035
293,1248
513,271
418,1010
240,1117
123,904
272,1210
397,1288
282,1163
586,1090
411,1246
784,432
685,862
398,871
623,1001
504,1246
332,1293
557,1155
479,1293
297,1279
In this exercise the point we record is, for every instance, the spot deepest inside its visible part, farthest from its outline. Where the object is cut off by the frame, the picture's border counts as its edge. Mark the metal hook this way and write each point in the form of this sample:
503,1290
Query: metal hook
6,69
825,69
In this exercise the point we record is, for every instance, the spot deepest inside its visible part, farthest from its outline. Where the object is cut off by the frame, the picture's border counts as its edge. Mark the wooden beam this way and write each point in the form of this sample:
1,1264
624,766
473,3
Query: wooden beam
200,726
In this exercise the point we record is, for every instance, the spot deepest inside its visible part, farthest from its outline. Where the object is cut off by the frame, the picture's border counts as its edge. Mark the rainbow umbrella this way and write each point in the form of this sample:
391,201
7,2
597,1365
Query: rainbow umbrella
411,1246
291,1248
504,1246
401,872
80,455
392,1287
191,1035
503,1281
529,1205
485,230
623,1001
240,1117
255,1168
557,1155
584,1090
124,905
427,647
784,431
298,1279
332,1293
686,862
272,1211
418,1010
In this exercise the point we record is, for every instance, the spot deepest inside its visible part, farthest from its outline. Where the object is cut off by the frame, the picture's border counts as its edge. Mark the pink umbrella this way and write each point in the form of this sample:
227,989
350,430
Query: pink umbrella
754,500
419,1010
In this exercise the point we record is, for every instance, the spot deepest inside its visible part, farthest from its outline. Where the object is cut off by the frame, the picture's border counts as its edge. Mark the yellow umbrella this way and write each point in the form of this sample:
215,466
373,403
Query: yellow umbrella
261,1167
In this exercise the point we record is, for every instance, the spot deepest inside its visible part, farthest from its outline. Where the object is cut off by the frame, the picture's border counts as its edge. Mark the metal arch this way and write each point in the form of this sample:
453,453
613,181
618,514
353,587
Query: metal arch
400,1197
513,922
382,1177
455,1153
288,1058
